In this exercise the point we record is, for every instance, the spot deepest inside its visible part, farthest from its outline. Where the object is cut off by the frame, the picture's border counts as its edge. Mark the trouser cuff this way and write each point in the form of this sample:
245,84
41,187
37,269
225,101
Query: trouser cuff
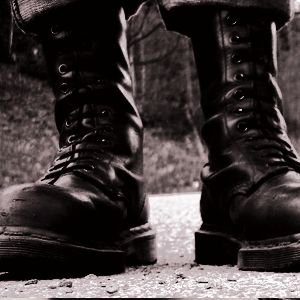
174,12
29,13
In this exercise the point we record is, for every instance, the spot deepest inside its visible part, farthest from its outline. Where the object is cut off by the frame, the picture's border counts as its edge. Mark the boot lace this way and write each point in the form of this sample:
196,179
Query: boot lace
88,138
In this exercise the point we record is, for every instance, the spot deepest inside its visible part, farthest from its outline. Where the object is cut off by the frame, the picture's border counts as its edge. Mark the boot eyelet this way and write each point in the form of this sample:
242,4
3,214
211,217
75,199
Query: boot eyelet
239,76
239,110
231,20
105,142
120,195
63,69
64,88
68,123
71,139
243,126
236,58
100,81
235,38
55,29
239,95
105,113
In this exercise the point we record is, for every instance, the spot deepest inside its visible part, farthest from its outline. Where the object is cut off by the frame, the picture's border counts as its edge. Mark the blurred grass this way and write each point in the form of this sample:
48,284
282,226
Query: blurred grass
171,165
28,134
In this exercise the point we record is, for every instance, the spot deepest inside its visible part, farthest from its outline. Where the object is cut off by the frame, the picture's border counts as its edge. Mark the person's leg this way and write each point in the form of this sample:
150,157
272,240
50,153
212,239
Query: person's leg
250,202
89,213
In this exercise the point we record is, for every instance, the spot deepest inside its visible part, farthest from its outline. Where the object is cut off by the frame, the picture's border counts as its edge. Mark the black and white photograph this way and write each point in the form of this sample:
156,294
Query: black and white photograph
149,149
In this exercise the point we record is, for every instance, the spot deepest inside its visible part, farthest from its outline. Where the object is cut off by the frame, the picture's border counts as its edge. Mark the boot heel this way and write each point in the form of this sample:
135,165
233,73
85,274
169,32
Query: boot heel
142,249
214,248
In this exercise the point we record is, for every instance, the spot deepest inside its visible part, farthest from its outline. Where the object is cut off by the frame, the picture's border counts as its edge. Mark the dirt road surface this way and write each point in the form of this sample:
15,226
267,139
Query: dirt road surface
175,217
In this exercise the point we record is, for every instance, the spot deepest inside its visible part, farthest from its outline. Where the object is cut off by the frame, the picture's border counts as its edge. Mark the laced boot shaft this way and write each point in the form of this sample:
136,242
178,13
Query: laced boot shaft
251,185
245,131
240,89
91,81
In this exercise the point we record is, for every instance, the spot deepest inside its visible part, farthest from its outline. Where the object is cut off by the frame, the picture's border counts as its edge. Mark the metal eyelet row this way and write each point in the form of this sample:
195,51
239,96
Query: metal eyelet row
239,57
63,68
64,87
236,58
240,95
108,129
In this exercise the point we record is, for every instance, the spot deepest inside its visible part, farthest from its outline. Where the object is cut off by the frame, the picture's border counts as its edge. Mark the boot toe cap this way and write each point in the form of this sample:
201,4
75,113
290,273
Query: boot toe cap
271,211
60,211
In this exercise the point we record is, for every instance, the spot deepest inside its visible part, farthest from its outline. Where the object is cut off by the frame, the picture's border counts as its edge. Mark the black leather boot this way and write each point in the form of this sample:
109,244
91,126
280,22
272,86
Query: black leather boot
6,32
89,213
250,203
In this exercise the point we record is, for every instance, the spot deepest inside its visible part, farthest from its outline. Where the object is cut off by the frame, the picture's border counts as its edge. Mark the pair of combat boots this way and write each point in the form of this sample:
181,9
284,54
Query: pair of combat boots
89,213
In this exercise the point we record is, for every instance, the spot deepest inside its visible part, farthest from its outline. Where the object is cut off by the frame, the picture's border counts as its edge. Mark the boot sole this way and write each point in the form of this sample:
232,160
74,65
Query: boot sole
280,254
26,254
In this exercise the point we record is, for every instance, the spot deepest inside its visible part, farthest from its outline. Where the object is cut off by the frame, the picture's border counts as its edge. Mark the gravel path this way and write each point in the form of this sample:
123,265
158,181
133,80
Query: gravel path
174,276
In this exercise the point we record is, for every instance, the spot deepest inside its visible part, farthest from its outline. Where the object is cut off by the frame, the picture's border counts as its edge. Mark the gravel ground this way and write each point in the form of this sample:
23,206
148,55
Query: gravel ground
174,276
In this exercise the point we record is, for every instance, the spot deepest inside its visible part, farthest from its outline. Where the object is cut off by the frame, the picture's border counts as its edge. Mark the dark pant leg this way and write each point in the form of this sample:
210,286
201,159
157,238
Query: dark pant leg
282,10
29,12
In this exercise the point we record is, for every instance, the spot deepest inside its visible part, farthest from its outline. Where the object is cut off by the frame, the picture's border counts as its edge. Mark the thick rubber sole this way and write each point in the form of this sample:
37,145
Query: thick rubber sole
274,255
26,254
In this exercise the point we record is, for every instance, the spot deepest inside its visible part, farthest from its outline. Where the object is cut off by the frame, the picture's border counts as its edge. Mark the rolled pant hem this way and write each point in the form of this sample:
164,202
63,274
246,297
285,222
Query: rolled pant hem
28,11
281,10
